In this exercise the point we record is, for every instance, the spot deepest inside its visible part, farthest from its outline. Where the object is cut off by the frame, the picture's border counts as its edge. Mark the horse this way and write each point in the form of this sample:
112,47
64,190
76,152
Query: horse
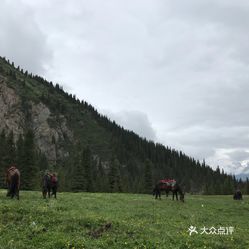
237,195
175,190
12,180
168,185
46,185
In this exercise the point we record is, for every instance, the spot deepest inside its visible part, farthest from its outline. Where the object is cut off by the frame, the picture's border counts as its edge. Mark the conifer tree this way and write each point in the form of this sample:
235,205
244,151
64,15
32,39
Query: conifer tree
78,177
101,178
10,149
3,163
42,162
20,153
87,165
148,177
29,172
114,176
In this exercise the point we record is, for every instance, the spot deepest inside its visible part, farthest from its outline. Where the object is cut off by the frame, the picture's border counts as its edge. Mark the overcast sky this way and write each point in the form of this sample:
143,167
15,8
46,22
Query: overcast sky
176,72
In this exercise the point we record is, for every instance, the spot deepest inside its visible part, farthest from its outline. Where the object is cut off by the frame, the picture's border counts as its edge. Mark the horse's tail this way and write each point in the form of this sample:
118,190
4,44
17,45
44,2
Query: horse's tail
18,176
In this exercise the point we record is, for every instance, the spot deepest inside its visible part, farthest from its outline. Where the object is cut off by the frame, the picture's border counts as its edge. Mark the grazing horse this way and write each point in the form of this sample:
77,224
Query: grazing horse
237,195
13,182
168,185
46,185
175,190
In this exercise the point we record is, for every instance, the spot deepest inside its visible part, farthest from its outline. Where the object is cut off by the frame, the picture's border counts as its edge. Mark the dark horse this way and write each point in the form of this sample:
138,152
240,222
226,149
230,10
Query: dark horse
13,182
168,185
46,185
175,190
237,195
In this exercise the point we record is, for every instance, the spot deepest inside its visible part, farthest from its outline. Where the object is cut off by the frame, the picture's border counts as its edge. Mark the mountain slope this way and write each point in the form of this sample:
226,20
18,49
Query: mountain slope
64,127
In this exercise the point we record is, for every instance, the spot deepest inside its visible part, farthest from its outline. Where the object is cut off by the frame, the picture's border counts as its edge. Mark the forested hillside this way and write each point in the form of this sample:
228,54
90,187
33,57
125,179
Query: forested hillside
43,127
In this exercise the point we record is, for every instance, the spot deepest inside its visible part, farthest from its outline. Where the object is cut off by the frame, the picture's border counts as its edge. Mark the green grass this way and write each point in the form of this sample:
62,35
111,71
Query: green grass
137,221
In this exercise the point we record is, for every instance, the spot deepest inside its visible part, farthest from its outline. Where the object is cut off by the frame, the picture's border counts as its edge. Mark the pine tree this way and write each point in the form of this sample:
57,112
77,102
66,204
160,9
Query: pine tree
29,172
86,162
42,162
114,176
10,149
94,170
101,178
78,177
20,153
148,177
3,163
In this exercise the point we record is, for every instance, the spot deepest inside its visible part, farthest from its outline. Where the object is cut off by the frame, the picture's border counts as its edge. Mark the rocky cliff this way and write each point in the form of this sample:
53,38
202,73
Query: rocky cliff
13,118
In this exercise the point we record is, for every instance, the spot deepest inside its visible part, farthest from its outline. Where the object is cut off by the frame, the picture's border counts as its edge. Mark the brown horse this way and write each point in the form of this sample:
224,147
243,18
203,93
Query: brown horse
169,185
13,182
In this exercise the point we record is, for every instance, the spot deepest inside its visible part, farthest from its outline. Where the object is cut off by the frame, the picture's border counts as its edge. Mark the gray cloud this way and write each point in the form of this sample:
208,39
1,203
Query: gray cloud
183,65
21,38
246,169
134,120
239,155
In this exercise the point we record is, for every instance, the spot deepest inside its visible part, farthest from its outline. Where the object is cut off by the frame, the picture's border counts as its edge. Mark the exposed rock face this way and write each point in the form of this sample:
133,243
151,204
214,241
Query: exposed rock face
10,116
43,134
46,137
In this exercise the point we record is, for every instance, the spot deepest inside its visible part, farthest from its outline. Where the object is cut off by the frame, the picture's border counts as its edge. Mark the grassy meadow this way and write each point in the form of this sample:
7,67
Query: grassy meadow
103,220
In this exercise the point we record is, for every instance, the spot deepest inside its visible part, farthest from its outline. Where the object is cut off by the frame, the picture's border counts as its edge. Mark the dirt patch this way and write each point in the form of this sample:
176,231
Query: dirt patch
99,231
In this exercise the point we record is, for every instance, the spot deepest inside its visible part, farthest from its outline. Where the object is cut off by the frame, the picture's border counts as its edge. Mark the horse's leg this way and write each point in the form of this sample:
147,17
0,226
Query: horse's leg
55,190
52,191
12,194
8,189
176,196
44,192
12,188
173,195
17,194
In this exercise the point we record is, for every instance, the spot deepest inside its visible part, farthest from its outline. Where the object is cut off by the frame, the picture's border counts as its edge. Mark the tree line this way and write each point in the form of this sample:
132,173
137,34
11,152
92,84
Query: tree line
84,172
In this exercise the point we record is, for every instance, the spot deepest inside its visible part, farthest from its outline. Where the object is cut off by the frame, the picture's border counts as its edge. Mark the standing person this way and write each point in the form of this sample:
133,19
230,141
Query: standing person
54,184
